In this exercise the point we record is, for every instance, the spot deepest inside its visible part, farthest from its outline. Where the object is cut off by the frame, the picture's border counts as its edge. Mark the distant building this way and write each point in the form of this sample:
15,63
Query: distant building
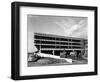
54,44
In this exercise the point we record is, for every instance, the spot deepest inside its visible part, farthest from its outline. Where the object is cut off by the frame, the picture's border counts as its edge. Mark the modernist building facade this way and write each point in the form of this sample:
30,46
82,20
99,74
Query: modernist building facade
54,44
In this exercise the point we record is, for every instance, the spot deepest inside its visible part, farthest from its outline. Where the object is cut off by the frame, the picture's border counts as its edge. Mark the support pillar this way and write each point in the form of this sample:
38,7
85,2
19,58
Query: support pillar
40,49
53,52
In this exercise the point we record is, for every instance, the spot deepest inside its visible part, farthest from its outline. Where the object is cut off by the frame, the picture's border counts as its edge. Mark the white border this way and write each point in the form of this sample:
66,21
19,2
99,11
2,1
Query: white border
24,70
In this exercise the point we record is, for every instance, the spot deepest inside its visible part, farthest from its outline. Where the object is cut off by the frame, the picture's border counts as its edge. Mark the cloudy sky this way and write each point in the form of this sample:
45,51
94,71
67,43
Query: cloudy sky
57,25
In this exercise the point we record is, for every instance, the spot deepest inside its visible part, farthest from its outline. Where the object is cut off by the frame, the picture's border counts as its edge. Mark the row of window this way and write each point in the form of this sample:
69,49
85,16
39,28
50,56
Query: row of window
50,42
49,46
55,38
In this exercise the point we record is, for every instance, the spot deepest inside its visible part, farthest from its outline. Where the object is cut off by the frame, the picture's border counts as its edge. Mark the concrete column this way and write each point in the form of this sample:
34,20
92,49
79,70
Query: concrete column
40,48
53,52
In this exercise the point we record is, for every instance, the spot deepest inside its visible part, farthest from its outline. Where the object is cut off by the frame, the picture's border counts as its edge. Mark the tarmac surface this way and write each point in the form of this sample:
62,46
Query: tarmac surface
46,61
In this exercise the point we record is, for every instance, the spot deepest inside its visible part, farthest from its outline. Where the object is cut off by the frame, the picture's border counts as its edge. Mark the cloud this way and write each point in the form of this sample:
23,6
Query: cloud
74,29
